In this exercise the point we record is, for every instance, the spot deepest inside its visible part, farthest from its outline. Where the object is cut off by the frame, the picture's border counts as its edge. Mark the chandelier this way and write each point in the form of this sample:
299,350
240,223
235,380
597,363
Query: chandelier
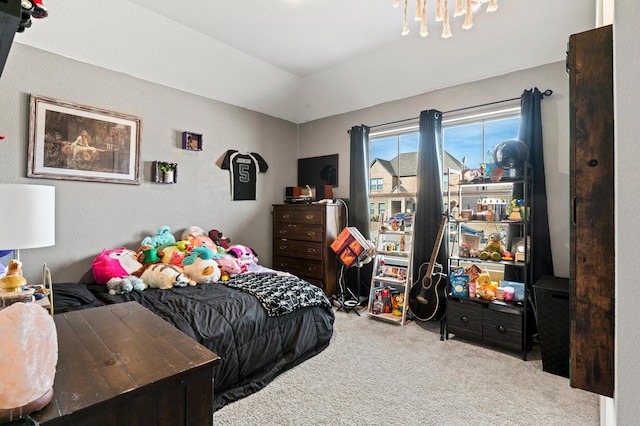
442,14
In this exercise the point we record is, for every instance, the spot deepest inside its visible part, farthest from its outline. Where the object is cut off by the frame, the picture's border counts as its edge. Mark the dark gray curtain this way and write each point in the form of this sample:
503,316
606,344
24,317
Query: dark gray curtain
531,134
359,203
429,198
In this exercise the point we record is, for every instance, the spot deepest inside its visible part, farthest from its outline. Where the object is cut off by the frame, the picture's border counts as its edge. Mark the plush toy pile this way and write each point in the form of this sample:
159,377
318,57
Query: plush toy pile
163,262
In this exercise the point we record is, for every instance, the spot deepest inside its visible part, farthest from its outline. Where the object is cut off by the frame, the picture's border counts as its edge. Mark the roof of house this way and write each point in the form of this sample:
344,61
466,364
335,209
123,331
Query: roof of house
406,164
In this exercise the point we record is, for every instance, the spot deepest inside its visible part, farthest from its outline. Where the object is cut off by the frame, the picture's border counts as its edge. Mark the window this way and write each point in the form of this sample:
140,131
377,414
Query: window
393,168
468,142
376,184
472,143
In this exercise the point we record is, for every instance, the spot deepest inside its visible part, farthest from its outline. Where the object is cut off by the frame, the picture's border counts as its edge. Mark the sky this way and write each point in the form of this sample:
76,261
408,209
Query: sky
463,141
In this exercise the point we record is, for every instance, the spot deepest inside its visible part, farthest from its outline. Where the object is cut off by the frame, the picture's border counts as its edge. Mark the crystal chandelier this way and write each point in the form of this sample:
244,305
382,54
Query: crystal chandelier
442,14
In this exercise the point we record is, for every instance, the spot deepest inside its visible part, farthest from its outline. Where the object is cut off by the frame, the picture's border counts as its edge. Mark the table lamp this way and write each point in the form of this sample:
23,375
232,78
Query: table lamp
29,350
27,217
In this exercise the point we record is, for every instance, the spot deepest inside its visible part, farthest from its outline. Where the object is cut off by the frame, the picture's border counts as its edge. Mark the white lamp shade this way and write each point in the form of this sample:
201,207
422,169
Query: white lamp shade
27,216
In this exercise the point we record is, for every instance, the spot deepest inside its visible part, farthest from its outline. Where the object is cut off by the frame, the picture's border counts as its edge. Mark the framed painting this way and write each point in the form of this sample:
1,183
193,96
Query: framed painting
78,142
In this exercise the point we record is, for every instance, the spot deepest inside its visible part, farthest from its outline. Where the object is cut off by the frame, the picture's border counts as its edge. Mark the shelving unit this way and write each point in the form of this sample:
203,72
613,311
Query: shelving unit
391,281
498,323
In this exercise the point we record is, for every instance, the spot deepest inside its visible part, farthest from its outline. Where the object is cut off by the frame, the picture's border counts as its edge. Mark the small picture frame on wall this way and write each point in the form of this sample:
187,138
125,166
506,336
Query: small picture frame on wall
192,141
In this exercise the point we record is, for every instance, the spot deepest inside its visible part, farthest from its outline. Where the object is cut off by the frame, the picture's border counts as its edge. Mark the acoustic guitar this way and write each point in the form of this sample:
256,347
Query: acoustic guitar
427,300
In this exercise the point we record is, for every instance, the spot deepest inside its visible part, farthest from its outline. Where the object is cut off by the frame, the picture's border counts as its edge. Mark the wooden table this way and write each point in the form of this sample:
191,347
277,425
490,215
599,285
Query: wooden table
122,365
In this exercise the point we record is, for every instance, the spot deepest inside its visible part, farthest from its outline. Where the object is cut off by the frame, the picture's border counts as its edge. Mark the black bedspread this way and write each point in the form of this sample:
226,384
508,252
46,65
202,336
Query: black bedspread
254,346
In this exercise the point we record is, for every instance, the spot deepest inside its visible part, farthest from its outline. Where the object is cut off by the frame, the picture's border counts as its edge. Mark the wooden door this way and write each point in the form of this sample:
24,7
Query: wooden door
592,285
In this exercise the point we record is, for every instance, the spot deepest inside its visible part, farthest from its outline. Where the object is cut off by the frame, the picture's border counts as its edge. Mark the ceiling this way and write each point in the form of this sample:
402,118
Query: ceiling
301,60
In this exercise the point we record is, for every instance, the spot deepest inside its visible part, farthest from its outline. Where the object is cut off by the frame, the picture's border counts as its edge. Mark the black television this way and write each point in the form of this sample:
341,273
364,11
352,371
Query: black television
318,171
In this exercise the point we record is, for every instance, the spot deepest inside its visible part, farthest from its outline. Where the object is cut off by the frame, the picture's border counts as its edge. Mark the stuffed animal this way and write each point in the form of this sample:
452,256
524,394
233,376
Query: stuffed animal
244,254
201,267
163,237
147,253
172,255
125,285
14,268
229,266
219,239
115,263
193,230
493,249
159,275
198,238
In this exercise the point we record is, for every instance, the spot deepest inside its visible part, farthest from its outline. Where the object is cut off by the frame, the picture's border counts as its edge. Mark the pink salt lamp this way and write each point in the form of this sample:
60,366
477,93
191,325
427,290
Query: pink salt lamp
28,358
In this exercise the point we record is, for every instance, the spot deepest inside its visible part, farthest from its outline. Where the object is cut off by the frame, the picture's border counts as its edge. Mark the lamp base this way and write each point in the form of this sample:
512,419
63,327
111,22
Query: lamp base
11,414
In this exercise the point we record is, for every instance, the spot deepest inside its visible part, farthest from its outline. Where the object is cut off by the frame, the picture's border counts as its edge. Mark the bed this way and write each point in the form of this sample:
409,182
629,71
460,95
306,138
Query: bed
259,324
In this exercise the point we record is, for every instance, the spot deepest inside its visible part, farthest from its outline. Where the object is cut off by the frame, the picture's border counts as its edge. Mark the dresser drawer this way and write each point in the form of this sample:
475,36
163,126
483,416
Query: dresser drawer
300,267
300,215
298,249
298,232
503,329
464,318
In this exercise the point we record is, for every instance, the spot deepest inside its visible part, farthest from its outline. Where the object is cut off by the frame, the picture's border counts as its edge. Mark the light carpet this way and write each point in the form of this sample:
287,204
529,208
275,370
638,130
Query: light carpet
377,373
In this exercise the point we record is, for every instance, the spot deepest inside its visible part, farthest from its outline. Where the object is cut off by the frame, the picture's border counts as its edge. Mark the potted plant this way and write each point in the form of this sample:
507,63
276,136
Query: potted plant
167,170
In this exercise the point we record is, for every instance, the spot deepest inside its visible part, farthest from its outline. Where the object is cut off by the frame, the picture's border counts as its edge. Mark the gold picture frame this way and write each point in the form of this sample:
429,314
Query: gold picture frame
77,142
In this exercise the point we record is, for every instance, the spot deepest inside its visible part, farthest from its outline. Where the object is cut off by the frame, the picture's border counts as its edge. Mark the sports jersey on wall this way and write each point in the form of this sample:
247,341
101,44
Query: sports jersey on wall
244,168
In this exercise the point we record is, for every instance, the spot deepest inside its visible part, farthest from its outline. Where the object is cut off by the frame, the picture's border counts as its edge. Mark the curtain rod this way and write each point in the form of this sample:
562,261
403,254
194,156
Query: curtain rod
547,92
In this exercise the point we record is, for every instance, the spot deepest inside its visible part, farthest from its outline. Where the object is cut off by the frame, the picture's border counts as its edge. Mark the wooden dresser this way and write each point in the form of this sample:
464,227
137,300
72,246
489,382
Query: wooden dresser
302,235
122,365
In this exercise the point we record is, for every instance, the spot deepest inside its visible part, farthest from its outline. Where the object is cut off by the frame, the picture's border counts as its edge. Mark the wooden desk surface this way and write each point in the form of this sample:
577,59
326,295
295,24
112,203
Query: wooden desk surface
115,350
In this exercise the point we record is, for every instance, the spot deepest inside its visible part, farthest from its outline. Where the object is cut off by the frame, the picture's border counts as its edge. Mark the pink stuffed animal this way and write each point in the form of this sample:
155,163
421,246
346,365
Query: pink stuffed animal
229,266
244,254
115,263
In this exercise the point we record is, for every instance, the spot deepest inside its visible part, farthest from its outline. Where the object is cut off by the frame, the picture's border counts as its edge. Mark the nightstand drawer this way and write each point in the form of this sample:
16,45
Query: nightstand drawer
297,249
464,318
298,232
299,267
503,329
302,215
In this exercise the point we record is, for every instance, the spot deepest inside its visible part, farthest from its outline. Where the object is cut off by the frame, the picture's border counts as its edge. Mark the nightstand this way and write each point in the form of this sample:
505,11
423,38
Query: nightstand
123,365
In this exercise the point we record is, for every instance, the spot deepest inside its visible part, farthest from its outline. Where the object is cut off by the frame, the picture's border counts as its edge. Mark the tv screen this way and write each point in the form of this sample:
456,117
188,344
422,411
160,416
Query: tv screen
318,171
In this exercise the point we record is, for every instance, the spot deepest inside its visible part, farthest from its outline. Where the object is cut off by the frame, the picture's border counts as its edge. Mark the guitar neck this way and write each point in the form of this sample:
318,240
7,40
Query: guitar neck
436,247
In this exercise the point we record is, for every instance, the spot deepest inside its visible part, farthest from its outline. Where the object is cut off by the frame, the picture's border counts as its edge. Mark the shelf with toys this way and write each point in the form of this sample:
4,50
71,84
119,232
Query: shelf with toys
391,276
489,261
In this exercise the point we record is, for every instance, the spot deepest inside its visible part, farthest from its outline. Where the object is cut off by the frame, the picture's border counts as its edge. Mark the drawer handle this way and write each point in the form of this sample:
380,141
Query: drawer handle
501,329
309,216
283,247
311,250
311,233
283,264
286,216
464,319
283,231
312,268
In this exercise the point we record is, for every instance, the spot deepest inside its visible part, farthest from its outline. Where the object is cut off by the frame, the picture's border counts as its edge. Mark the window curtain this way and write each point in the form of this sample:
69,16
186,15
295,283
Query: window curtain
531,134
359,204
429,197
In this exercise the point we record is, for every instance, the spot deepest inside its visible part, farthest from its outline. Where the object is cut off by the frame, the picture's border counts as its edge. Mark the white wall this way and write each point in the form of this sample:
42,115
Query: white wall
627,154
93,216
329,135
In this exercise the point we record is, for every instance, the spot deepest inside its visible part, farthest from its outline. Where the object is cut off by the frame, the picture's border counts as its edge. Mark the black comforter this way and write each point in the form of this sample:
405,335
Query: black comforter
254,346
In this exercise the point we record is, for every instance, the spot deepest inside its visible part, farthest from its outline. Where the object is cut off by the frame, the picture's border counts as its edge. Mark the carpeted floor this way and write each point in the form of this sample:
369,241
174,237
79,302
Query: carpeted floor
376,373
